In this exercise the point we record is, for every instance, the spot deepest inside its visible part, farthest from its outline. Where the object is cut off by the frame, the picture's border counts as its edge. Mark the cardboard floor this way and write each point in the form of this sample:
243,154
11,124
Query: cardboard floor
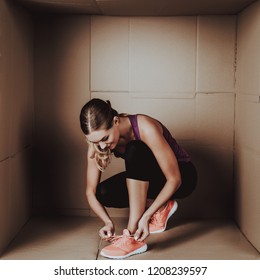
76,238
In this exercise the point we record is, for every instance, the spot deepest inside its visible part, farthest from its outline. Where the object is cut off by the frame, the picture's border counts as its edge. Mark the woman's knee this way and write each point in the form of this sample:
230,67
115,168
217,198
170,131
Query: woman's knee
135,150
139,160
112,192
189,180
139,154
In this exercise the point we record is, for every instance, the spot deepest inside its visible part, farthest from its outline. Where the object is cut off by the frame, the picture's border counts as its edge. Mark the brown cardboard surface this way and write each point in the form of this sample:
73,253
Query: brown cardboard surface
247,193
20,197
16,119
247,129
109,53
5,75
248,44
20,79
215,120
162,54
120,58
62,59
216,45
4,204
77,238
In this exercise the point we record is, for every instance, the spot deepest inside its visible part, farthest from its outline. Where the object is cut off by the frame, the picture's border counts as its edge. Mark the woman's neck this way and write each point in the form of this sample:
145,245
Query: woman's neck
125,129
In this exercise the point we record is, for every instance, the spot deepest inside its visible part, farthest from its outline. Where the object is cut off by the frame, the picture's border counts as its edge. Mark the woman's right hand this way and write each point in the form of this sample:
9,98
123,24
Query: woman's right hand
107,231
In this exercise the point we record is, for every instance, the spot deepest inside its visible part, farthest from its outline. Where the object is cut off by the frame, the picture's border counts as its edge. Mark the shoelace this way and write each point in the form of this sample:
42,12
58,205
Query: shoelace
117,240
121,240
157,218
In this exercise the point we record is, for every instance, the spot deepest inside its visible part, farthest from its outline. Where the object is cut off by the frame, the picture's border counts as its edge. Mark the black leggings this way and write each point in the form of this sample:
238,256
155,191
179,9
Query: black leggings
142,165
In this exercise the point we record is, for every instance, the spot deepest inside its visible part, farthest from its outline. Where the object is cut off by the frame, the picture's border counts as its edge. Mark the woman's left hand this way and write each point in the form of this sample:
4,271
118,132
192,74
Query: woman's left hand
143,229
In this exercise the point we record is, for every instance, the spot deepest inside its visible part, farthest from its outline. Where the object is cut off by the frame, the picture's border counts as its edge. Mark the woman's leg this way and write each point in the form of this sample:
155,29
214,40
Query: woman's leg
189,180
141,166
188,185
113,192
138,169
121,192
143,179
137,192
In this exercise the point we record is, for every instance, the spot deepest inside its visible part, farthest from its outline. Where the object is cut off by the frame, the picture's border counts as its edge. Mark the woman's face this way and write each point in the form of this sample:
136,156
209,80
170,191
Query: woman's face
105,138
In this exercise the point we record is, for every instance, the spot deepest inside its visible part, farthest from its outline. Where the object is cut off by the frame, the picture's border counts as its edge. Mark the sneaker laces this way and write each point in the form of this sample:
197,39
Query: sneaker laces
157,217
121,241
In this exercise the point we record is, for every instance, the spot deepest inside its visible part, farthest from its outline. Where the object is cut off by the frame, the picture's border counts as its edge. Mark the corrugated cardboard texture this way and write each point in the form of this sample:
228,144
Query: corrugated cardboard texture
247,140
76,238
181,70
62,59
16,120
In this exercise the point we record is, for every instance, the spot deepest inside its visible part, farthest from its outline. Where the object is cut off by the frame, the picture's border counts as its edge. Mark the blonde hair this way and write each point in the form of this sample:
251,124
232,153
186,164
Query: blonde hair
102,156
98,114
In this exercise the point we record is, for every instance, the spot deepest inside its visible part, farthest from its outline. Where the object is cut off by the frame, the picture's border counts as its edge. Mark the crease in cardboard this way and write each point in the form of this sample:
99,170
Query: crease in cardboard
4,159
163,95
215,92
253,98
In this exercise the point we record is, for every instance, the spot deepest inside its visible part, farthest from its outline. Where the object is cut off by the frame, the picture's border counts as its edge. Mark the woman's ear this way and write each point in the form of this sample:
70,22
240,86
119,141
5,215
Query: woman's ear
116,120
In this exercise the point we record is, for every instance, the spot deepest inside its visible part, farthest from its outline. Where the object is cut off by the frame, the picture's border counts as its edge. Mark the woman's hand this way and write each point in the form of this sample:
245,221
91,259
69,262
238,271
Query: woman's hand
107,231
143,229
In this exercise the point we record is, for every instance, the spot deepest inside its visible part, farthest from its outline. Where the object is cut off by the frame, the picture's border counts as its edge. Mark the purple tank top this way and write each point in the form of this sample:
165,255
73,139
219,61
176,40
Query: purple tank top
179,152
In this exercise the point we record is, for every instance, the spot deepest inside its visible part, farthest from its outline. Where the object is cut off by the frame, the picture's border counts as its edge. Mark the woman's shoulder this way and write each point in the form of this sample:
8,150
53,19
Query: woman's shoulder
139,116
146,119
148,124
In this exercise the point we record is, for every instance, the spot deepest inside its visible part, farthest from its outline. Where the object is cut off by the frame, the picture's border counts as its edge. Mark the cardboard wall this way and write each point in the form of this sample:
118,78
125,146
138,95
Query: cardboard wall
177,69
247,128
16,120
180,70
62,58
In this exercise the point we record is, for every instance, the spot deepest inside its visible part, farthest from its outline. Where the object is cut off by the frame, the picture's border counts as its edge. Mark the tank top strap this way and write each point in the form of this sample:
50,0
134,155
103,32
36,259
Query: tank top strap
134,124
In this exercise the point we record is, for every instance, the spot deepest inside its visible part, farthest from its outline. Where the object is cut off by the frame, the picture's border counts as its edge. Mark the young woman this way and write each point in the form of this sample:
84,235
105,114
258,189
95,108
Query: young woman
157,172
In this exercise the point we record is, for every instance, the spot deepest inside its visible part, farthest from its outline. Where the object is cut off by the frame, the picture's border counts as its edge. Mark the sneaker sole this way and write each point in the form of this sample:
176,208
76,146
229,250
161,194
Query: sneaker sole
173,210
137,251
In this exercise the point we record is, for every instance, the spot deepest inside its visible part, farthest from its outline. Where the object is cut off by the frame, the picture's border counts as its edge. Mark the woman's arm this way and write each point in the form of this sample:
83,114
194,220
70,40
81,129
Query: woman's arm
93,178
152,134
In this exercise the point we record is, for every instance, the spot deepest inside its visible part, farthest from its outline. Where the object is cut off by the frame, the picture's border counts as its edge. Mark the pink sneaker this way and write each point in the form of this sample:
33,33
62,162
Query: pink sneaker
123,246
159,219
